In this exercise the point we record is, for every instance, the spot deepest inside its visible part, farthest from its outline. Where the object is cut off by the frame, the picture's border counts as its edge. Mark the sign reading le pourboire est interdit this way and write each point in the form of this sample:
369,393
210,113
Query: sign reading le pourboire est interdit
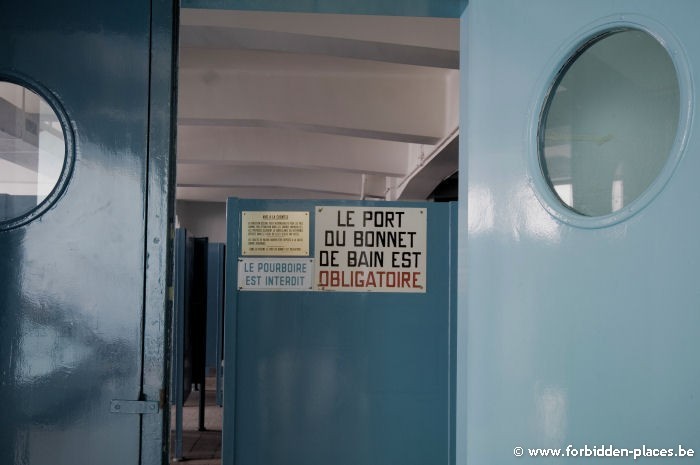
272,246
275,274
370,249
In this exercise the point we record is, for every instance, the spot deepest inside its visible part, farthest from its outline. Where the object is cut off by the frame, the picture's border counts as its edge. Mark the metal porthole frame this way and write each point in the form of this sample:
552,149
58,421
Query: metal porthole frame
69,155
557,66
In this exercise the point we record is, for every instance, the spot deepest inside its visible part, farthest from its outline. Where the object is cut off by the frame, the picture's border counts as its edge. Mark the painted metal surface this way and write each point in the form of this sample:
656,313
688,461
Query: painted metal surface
160,224
73,332
181,375
569,333
436,8
198,320
188,328
215,314
337,377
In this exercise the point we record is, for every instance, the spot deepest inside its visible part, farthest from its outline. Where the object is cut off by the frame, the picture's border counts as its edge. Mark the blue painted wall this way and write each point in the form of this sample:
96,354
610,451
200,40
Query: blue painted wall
337,377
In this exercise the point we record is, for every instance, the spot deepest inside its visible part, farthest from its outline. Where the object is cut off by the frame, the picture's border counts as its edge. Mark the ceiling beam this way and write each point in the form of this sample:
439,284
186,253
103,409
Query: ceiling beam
315,128
220,194
429,172
254,39
409,107
424,32
266,147
301,179
429,8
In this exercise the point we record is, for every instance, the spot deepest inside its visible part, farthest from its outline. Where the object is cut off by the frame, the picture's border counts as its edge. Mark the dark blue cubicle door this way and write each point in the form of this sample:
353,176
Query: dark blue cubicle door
181,364
215,314
83,276
356,378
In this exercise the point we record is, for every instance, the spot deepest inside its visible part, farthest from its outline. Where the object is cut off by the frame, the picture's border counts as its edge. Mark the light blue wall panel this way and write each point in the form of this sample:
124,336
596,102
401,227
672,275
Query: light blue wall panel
572,332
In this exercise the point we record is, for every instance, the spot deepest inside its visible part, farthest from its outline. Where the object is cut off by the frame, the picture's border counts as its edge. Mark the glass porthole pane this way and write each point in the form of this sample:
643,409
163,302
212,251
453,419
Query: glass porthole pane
32,150
610,122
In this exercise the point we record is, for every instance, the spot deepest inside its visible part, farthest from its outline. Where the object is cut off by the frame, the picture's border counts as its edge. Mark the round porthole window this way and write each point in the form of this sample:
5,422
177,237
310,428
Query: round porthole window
33,153
609,122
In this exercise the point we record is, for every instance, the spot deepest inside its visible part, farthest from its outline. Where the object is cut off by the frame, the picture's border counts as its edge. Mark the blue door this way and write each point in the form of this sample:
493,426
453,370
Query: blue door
85,117
579,303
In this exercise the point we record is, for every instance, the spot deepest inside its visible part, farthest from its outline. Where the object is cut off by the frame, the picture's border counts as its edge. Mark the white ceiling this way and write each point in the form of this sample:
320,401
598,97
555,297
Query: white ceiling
289,105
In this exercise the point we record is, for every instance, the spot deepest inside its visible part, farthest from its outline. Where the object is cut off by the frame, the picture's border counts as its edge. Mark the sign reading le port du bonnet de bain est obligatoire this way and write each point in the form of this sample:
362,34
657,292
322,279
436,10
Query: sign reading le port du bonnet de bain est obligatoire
370,249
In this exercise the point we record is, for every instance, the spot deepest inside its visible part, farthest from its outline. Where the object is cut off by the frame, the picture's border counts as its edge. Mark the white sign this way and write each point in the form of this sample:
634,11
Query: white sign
370,249
275,274
275,234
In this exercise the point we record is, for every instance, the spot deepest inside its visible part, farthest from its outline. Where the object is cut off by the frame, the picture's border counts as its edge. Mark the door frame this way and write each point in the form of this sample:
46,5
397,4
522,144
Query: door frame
159,229
418,8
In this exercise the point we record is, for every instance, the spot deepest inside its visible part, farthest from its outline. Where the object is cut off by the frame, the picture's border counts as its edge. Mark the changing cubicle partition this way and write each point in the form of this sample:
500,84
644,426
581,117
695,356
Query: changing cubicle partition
215,316
189,327
340,333
181,369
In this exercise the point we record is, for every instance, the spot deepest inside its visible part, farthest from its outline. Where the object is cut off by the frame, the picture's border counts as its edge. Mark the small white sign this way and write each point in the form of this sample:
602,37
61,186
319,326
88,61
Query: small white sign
370,249
275,274
275,233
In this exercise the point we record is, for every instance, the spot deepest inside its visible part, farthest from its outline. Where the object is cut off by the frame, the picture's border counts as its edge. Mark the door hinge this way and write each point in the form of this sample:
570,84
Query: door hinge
134,406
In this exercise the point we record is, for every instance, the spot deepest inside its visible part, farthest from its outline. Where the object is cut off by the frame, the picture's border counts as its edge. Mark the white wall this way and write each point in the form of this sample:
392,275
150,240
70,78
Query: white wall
203,219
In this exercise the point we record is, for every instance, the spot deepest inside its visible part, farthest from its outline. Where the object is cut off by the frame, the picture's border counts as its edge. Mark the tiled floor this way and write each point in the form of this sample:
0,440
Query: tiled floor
200,447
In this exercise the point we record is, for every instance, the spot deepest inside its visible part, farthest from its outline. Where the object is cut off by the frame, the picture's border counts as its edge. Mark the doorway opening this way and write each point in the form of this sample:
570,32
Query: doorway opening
308,106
